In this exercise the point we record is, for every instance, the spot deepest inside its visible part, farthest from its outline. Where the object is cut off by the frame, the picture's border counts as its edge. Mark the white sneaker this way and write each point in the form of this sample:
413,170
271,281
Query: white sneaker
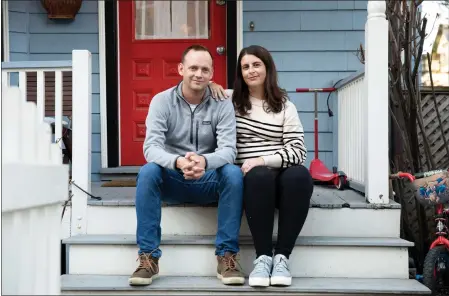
280,276
260,276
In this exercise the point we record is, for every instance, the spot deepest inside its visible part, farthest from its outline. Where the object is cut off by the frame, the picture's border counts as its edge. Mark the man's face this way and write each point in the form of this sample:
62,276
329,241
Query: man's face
196,70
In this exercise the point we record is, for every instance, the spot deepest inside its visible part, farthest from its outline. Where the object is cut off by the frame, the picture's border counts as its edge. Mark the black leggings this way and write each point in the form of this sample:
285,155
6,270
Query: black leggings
290,191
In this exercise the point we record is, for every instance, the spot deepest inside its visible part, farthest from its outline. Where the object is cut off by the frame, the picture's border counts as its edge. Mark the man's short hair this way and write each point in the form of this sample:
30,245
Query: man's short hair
195,47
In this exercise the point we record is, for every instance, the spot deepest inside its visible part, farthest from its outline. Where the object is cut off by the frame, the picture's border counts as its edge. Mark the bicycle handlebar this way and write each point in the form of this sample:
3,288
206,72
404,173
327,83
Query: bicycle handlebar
416,176
407,175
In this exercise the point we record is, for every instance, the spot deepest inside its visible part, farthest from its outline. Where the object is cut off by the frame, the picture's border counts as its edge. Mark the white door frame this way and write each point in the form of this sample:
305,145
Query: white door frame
102,65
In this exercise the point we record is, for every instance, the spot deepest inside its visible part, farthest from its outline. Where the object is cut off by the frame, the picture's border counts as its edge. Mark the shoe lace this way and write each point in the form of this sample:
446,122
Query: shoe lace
262,264
231,262
281,264
147,263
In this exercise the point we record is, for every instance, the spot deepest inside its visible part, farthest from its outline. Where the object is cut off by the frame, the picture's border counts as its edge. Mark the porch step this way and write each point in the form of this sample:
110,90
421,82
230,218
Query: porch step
323,197
332,213
124,172
194,256
168,285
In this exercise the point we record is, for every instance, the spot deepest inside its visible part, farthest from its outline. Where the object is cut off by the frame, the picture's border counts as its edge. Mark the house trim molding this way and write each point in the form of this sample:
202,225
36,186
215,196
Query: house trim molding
239,26
5,31
108,63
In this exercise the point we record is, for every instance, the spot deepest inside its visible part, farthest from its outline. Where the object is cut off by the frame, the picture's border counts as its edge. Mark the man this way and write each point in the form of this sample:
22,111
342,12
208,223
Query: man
190,147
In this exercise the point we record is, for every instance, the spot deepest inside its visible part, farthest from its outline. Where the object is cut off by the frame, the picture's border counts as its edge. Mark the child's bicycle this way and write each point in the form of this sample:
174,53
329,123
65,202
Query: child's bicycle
432,188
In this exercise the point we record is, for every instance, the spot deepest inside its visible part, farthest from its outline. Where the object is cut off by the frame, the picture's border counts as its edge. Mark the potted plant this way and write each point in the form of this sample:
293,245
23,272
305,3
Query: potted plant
61,9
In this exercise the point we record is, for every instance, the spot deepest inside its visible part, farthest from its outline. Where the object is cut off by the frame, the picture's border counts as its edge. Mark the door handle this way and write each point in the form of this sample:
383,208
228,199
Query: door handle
221,50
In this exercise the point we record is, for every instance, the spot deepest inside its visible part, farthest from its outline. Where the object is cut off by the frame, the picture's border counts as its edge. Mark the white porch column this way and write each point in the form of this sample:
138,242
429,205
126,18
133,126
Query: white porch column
376,104
82,134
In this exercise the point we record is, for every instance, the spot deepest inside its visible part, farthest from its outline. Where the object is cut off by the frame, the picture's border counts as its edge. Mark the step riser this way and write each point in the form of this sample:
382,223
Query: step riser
199,260
203,221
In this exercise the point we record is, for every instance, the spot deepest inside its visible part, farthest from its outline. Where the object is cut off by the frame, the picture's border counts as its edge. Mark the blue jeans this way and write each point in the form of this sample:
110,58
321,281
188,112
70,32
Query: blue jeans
156,184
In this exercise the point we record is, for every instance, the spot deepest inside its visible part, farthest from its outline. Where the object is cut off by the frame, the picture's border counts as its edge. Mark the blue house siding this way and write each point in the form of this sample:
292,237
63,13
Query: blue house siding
313,44
33,37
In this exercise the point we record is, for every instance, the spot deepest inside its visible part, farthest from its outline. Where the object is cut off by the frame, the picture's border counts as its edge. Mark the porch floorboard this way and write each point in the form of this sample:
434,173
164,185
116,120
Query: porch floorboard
323,197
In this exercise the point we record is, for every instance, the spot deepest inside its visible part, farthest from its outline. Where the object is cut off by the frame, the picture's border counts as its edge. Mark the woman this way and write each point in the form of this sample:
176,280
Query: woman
271,151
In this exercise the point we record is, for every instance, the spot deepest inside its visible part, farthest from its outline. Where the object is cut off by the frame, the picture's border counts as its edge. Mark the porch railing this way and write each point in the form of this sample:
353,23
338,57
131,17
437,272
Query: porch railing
351,129
81,122
363,114
34,187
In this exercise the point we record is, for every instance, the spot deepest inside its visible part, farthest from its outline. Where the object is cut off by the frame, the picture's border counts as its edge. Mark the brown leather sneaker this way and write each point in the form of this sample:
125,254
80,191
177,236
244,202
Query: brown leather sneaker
147,269
228,270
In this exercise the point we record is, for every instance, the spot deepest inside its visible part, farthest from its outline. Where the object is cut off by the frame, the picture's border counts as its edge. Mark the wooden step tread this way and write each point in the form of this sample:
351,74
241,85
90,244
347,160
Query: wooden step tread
323,197
204,285
129,239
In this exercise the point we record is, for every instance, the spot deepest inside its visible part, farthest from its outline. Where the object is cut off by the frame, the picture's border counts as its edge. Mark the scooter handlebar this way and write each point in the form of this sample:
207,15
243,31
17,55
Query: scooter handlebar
326,89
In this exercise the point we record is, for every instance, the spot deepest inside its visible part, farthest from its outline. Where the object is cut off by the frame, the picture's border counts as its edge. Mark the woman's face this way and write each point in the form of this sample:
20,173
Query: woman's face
254,71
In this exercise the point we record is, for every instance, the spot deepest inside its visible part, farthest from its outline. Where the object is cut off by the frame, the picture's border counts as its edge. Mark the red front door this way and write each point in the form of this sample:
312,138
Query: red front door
152,37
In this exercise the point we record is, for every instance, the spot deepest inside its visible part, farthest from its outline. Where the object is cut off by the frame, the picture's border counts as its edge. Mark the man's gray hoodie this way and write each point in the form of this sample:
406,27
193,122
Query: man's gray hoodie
173,129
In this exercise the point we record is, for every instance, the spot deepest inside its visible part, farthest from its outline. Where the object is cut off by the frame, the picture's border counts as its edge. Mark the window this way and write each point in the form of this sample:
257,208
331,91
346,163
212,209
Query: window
171,20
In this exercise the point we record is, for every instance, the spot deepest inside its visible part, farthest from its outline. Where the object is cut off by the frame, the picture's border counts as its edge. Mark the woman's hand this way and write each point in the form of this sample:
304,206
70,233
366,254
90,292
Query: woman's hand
251,163
218,92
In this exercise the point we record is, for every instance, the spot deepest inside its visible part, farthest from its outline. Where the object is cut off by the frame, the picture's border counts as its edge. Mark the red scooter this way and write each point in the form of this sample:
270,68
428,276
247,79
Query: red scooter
318,169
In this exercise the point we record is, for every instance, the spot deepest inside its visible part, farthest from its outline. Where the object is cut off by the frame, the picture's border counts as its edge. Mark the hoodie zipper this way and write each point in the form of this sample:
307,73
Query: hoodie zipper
191,127
197,128
191,120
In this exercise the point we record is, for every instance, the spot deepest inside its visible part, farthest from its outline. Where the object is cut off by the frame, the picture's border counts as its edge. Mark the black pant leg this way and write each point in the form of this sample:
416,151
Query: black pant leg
295,188
259,204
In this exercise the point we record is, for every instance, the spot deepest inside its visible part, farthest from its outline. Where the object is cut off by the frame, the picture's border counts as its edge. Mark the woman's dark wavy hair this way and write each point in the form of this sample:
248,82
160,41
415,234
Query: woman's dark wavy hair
275,97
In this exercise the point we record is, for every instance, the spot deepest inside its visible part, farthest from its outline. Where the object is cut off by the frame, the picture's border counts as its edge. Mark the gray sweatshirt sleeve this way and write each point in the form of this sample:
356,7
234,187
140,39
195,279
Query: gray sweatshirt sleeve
226,150
157,126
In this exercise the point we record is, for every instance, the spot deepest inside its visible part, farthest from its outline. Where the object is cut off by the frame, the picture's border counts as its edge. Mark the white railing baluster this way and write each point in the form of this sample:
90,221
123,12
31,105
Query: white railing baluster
40,96
360,171
23,85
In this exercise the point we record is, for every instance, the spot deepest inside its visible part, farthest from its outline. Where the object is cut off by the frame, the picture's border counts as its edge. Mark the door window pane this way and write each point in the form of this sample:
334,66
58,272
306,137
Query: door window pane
172,19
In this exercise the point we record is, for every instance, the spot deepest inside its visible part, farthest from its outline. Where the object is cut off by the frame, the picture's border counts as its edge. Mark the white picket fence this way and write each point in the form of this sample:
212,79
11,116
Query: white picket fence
35,181
40,68
351,127
81,67
35,184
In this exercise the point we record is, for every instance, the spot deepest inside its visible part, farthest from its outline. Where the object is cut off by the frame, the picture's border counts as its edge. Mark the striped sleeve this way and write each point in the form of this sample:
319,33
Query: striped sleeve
294,151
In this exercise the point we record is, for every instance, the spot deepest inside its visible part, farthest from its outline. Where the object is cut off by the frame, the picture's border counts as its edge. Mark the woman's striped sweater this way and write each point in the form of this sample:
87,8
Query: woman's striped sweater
276,137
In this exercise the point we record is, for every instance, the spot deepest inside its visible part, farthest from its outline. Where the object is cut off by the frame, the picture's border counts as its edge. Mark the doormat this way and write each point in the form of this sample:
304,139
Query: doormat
120,183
